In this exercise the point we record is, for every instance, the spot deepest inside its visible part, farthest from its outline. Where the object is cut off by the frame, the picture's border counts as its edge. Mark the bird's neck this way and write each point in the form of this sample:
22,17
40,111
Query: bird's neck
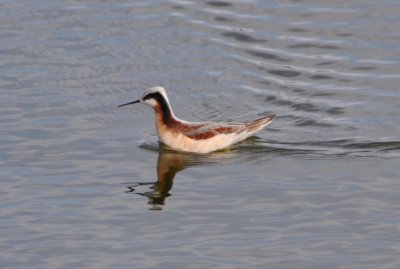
164,115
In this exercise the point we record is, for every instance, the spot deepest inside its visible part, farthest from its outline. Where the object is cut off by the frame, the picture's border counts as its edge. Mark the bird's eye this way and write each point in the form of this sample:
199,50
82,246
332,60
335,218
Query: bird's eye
148,96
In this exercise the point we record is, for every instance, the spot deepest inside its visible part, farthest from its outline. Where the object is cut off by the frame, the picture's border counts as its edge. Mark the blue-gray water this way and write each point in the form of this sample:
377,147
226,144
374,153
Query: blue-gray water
84,184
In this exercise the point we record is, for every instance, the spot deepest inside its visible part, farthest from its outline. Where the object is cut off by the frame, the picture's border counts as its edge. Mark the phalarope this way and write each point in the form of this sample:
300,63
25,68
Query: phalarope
197,137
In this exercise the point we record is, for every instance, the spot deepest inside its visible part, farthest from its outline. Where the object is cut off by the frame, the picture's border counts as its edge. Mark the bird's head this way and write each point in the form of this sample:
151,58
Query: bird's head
152,97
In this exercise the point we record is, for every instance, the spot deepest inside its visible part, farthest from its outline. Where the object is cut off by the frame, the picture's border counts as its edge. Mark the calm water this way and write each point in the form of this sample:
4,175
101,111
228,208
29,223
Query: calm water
86,185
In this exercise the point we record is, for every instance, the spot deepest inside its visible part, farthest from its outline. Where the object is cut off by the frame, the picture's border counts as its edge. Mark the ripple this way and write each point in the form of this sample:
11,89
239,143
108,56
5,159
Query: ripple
363,68
325,63
335,110
311,45
312,123
319,77
241,37
342,147
284,73
267,56
218,4
298,30
305,107
222,19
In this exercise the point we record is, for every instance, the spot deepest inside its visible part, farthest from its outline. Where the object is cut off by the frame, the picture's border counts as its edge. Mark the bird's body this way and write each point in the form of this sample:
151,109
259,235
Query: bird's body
198,137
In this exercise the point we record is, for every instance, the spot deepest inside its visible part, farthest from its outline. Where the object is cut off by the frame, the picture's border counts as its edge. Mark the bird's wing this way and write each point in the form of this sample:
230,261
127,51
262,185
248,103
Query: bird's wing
211,129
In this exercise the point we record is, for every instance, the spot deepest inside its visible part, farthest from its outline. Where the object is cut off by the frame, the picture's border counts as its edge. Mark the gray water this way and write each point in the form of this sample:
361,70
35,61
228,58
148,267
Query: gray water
86,185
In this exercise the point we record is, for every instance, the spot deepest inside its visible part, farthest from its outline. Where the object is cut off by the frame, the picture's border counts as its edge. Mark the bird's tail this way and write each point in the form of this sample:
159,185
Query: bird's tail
253,126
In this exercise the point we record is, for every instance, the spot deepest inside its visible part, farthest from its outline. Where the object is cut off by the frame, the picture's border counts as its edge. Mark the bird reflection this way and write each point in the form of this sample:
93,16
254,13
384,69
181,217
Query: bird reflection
168,165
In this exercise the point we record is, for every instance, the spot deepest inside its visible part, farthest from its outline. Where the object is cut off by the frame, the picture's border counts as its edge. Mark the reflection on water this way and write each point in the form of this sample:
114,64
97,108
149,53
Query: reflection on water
169,163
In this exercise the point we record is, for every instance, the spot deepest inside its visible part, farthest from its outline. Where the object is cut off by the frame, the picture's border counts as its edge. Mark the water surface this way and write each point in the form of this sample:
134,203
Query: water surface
87,185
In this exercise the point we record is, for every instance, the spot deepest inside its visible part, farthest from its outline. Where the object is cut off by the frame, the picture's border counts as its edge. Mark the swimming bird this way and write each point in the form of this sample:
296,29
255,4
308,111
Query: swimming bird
197,137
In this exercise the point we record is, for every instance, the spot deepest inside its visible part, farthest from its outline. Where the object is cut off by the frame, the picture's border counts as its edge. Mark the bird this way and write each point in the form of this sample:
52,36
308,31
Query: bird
195,137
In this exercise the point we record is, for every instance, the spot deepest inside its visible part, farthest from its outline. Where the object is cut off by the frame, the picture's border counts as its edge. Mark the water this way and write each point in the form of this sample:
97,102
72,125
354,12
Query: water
86,185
